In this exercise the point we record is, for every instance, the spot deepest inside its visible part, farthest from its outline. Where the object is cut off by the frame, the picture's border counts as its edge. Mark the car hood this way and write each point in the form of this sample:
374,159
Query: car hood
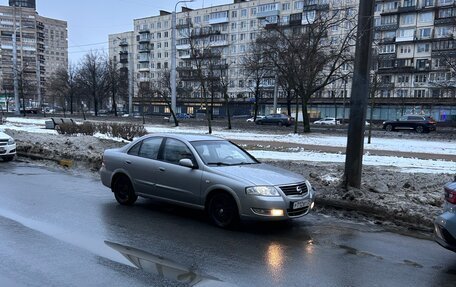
4,136
259,174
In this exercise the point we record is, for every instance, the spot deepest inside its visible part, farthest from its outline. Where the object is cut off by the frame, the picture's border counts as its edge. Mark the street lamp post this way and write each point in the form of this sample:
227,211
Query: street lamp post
173,55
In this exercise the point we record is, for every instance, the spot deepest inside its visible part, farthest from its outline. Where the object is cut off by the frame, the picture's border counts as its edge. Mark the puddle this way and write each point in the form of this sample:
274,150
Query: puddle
166,268
354,251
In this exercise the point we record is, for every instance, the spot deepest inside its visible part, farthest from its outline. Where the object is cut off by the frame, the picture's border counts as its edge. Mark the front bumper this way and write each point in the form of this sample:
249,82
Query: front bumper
279,207
8,150
445,231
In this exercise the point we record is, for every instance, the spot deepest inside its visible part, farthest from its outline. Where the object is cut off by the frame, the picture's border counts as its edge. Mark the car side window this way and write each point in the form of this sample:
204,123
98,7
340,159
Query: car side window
175,150
150,147
135,149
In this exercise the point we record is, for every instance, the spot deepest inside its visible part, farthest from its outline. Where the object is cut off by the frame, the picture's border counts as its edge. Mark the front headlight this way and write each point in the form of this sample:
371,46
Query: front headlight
262,190
11,141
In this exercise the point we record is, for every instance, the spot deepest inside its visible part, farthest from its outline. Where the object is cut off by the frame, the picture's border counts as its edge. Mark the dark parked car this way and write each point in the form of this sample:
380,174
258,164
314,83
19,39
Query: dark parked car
276,119
445,224
421,124
208,173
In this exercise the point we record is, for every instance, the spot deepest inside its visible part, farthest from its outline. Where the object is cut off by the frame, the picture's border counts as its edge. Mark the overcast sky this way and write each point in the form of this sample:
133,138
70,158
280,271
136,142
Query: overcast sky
91,21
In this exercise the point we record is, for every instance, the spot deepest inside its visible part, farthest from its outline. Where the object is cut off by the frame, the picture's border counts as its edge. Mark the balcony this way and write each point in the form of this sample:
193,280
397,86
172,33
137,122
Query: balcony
143,39
445,21
220,43
405,39
219,20
407,9
183,47
389,40
144,31
272,10
143,59
123,43
387,27
318,7
144,69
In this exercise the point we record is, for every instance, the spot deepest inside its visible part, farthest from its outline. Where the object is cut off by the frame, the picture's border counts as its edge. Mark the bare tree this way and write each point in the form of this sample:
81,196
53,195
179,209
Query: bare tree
92,77
62,84
113,83
162,87
257,67
310,56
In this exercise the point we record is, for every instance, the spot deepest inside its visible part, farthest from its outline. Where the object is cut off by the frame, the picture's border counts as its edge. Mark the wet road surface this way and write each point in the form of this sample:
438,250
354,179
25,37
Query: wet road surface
63,228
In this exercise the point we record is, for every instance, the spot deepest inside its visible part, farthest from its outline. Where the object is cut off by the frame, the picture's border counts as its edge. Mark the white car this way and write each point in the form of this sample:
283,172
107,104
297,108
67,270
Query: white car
327,121
7,147
250,120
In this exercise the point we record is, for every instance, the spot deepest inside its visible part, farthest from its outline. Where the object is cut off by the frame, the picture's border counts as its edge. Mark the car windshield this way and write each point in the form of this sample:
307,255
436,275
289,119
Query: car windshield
222,153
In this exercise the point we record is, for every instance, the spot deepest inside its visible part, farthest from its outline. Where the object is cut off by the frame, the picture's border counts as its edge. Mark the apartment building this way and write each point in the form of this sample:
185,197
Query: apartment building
415,48
41,48
410,37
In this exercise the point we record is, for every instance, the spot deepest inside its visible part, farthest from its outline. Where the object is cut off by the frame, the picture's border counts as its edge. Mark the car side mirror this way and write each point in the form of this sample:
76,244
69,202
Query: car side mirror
186,162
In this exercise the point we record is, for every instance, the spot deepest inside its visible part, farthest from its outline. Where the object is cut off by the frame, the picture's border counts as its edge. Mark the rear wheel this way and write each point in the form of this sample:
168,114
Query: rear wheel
419,129
123,191
222,210
280,124
389,128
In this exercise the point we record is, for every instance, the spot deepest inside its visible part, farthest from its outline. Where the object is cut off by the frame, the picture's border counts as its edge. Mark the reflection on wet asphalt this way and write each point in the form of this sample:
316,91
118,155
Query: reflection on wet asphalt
67,216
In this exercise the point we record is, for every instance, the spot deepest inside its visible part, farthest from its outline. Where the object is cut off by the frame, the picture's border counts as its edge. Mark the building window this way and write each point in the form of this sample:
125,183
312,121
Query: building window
298,5
420,78
244,13
423,48
425,17
408,19
285,6
420,93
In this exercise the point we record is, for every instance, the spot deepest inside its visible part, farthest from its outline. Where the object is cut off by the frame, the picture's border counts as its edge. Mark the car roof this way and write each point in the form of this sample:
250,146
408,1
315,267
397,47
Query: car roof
187,137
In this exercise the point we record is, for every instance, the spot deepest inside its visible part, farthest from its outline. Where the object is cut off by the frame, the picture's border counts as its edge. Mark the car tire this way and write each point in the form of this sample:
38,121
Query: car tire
259,123
280,124
389,128
222,210
123,191
419,129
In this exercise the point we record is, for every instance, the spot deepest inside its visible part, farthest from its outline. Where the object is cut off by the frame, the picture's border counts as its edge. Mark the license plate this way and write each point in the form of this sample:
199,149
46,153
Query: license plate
300,204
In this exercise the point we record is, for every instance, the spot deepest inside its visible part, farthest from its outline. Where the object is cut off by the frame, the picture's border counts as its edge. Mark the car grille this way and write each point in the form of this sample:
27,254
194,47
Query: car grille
297,212
3,142
295,189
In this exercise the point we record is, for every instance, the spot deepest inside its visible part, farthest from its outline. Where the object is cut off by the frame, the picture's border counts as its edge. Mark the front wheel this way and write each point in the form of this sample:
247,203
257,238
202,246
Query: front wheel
419,129
222,210
389,128
280,124
123,191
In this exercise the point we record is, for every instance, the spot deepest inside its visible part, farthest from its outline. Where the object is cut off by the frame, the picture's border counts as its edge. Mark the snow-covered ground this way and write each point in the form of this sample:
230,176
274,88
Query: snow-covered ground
402,145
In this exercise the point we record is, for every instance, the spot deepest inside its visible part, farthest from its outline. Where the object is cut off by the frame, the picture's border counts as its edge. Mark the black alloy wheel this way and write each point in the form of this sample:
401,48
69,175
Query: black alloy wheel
389,128
419,129
223,210
123,191
280,124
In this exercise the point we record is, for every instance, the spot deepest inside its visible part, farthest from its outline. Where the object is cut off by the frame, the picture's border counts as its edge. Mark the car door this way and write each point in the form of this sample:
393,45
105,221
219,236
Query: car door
141,163
177,182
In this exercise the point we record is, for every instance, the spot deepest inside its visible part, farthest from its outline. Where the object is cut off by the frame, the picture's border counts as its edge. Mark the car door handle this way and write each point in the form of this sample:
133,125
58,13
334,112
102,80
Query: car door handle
127,161
161,168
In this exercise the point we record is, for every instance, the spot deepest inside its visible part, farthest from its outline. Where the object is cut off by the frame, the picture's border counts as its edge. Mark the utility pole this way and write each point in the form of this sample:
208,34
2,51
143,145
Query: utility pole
17,111
359,95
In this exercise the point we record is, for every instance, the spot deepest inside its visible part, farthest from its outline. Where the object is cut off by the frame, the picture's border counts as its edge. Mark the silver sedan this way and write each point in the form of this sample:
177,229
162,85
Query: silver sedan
208,173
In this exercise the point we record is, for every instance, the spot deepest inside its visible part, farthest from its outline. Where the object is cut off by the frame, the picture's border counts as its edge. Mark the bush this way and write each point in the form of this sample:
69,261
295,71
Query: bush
125,131
85,128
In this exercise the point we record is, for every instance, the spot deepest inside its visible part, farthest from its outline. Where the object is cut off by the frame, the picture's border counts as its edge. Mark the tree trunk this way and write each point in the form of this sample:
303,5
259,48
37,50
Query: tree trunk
227,103
296,117
305,116
289,102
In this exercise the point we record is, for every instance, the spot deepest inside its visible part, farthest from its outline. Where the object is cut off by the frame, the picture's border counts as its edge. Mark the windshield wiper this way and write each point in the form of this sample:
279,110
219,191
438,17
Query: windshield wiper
244,163
218,163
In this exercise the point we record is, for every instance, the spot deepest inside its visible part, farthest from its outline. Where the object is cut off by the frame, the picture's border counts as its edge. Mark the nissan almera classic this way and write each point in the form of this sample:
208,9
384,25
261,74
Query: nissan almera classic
205,172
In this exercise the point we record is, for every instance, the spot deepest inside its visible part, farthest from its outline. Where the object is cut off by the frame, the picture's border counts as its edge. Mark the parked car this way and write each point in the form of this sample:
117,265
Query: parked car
7,147
419,123
250,120
445,224
276,119
182,116
213,174
327,121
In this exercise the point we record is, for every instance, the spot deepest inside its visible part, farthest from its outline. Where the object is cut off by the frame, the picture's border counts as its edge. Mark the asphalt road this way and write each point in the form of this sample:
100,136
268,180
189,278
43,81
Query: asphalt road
63,228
